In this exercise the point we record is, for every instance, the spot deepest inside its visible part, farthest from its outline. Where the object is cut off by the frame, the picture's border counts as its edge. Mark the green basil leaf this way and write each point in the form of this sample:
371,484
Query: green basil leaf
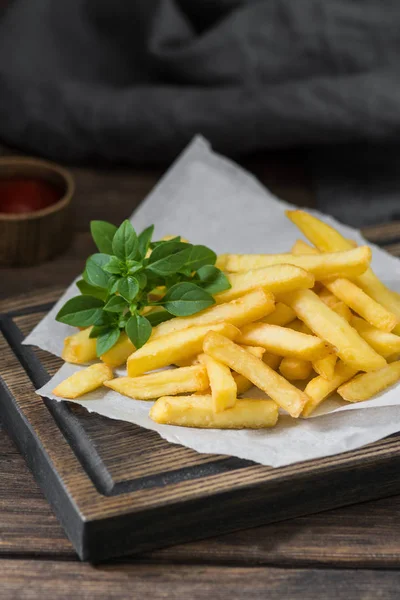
168,258
199,257
141,279
113,284
81,311
185,299
116,304
94,273
144,240
133,266
98,330
91,290
128,287
113,266
174,239
138,329
103,233
213,280
159,316
125,243
107,340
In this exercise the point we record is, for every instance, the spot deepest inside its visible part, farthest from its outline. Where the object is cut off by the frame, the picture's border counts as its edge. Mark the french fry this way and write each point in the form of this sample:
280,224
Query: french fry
336,305
222,384
197,411
362,387
187,362
335,330
301,247
254,350
355,298
341,309
79,348
243,384
272,360
348,263
276,279
246,309
298,325
83,381
284,341
285,394
382,342
325,366
282,315
173,347
161,383
119,353
295,368
319,388
327,239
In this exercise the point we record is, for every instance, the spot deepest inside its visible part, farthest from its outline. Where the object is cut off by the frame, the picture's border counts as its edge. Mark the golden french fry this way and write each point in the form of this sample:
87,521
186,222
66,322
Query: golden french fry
327,239
222,384
285,394
335,330
298,325
301,247
282,315
197,411
83,381
244,384
355,298
327,297
272,360
384,343
246,309
284,341
173,347
340,308
362,387
325,366
79,348
348,263
254,350
187,362
295,368
119,353
161,383
276,279
319,388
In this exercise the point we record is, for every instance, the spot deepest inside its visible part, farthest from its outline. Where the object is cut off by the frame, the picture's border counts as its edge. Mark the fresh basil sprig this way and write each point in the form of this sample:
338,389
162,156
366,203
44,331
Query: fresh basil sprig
131,273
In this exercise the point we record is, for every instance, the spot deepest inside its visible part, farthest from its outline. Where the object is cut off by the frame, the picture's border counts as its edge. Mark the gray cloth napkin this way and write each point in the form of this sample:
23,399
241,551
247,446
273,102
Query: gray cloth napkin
134,81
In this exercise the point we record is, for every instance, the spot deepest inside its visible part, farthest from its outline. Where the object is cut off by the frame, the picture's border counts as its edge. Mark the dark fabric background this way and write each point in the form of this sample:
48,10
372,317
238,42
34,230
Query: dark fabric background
133,81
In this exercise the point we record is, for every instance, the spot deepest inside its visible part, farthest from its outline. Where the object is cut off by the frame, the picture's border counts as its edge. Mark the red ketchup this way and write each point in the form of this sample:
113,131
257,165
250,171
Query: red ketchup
19,196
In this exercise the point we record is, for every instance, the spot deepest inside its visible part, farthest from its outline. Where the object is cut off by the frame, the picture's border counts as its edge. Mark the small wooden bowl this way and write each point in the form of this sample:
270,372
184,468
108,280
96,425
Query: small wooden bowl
32,237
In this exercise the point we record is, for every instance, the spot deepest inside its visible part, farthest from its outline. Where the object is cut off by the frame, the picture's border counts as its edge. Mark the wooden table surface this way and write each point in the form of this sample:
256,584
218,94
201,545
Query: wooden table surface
351,552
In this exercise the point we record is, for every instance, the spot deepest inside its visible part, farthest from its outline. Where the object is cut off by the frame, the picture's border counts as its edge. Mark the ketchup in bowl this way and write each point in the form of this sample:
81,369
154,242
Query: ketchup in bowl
26,195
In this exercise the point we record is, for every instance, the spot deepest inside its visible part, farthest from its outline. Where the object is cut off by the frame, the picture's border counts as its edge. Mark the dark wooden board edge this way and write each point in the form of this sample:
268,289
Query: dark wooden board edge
177,522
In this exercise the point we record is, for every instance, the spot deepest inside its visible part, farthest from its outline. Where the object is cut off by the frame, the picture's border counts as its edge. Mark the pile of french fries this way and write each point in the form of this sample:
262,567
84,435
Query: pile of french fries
299,326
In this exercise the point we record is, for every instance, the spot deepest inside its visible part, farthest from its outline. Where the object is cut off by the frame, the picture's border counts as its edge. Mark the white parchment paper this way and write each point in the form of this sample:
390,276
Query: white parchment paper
210,200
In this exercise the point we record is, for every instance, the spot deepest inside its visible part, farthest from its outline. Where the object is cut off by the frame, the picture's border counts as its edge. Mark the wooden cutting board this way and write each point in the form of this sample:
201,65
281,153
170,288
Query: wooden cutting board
118,489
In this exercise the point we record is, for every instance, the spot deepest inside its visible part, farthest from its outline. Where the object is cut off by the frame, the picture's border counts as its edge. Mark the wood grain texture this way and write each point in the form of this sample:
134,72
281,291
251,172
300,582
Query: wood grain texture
361,536
56,580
